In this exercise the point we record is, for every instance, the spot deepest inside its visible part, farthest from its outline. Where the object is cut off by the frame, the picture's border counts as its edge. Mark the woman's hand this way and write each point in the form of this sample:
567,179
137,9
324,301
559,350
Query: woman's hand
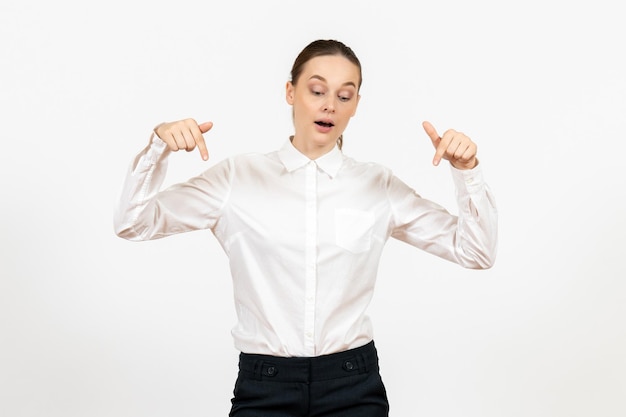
184,134
453,146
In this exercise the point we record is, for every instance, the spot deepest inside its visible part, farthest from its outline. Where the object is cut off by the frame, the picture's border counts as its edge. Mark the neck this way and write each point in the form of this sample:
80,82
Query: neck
311,151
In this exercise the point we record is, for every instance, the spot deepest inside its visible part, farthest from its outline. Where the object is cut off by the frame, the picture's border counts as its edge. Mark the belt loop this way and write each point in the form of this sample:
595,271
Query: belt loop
258,369
363,365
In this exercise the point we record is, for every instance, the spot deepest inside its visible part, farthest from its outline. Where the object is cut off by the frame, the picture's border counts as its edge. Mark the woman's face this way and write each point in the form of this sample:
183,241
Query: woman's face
324,99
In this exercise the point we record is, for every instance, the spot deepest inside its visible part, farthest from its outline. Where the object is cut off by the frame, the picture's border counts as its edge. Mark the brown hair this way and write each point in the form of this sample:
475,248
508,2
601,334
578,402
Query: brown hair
323,47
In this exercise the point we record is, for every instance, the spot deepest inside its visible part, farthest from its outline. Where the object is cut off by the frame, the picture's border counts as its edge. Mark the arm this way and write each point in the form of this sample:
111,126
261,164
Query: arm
469,239
144,212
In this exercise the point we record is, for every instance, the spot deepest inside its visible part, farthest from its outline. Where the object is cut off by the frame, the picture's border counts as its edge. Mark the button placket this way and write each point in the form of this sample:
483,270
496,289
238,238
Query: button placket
310,257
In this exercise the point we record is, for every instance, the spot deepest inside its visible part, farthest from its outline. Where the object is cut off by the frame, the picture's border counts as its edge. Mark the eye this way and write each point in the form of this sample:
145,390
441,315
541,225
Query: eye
317,92
345,96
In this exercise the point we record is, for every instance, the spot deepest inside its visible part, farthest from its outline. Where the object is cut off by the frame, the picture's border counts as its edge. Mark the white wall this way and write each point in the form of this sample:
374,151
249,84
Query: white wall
92,325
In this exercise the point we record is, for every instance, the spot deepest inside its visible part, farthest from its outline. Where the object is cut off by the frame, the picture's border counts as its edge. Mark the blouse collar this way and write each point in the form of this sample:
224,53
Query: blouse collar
293,159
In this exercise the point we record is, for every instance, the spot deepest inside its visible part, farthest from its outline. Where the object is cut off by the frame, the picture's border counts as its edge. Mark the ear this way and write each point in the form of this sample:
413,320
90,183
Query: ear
289,92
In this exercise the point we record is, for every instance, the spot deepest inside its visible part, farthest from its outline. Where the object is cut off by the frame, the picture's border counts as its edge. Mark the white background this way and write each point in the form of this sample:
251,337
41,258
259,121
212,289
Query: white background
95,326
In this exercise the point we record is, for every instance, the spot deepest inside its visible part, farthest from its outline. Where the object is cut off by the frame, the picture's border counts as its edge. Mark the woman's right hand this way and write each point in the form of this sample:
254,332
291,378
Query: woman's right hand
184,134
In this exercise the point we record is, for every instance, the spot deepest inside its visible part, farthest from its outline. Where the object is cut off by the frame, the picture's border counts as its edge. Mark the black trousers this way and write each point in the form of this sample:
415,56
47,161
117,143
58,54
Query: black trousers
345,384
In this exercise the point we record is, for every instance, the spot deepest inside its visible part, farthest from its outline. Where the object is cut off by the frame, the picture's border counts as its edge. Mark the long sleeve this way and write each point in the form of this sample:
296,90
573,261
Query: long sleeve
144,212
304,237
469,239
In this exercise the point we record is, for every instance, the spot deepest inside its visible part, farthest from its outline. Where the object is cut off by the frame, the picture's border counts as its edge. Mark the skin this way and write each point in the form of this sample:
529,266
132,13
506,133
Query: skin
326,93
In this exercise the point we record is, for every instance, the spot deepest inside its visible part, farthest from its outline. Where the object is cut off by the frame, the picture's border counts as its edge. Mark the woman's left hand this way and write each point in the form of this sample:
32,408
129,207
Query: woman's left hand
453,146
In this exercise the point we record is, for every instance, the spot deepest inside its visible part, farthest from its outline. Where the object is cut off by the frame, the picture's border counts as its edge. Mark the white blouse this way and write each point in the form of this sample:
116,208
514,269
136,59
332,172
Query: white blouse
304,237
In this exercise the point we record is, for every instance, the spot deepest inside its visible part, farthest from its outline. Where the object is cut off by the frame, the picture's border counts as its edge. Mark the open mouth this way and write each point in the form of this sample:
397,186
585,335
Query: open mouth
324,123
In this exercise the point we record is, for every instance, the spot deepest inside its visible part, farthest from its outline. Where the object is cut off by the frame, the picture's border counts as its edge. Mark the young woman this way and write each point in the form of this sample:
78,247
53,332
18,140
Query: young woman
304,228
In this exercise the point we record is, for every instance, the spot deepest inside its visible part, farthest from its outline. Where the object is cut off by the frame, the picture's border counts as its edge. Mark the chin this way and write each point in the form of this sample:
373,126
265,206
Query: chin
325,143
326,137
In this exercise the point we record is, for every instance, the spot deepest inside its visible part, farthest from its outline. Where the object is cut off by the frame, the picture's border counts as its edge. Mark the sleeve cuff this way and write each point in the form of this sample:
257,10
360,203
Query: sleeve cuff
470,180
157,150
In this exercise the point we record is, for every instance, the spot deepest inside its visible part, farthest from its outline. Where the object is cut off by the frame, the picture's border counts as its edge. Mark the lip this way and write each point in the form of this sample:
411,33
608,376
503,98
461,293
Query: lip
325,120
324,125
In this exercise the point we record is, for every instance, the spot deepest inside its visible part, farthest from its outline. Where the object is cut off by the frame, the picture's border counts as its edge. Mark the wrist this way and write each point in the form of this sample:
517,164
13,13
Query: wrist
471,164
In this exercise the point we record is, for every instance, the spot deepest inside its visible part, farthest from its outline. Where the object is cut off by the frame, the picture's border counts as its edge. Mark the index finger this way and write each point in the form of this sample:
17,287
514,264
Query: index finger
199,138
431,132
204,153
436,140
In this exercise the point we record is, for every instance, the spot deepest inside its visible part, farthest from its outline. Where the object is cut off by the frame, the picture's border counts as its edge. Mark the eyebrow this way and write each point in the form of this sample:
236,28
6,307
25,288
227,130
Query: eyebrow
319,77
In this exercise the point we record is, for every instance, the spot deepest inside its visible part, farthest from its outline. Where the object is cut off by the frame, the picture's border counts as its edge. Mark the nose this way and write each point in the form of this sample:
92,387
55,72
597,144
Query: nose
329,106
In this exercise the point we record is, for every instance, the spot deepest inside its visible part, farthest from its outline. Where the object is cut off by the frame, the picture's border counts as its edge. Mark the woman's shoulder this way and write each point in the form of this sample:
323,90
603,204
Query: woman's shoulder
370,167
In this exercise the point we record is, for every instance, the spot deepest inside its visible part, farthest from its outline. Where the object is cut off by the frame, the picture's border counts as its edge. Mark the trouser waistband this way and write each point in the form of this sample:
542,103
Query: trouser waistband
304,370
